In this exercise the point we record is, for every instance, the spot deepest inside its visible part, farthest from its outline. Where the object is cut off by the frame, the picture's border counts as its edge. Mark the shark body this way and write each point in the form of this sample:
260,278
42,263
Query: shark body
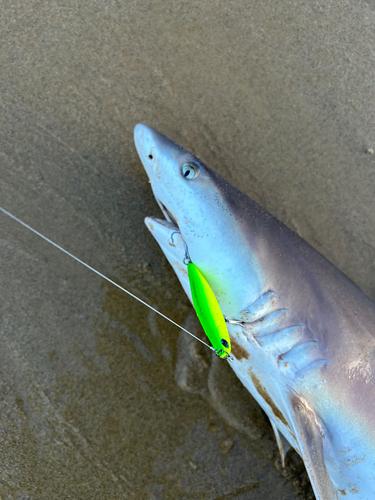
302,333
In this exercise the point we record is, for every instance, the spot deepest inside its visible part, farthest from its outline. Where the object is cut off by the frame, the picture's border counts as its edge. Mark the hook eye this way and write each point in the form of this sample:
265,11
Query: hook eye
187,259
220,353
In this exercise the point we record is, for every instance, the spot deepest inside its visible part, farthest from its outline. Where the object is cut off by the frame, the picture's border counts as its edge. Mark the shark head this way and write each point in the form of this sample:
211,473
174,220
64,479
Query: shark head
203,214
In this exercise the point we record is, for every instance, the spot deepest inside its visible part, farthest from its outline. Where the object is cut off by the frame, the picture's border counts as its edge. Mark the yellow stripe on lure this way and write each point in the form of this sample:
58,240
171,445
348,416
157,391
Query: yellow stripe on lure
209,312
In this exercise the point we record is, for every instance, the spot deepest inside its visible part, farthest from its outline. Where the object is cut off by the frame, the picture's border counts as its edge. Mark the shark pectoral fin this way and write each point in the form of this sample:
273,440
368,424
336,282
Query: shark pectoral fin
310,436
282,443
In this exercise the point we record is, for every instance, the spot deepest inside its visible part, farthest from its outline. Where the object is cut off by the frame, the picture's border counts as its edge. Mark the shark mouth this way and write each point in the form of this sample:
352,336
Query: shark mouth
170,222
168,216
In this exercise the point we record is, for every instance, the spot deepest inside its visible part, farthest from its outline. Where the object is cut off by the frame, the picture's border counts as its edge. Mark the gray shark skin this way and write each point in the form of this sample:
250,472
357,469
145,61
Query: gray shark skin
302,333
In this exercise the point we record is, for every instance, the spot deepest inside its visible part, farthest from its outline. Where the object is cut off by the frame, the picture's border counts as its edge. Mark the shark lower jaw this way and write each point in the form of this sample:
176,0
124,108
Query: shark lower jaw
151,221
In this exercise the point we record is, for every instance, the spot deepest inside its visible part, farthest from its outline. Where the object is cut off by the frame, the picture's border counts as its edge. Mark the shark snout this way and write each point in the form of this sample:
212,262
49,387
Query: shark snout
150,143
144,142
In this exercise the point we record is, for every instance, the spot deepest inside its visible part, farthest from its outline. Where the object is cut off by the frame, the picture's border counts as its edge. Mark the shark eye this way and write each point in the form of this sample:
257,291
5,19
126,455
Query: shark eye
190,170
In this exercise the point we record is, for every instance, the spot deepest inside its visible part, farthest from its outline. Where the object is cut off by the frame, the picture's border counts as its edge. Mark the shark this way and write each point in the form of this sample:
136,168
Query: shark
302,333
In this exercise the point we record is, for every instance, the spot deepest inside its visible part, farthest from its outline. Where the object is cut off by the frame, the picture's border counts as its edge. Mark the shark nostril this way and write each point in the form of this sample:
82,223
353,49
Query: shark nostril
150,156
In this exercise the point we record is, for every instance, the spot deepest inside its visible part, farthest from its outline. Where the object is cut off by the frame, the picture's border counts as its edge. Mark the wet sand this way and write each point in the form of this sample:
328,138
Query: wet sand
100,398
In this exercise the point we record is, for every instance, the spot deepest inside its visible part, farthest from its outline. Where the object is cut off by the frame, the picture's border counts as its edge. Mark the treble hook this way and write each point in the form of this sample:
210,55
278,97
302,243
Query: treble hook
187,259
174,232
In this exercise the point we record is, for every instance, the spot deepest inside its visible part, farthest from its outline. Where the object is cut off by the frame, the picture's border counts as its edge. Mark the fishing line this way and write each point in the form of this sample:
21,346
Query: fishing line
101,275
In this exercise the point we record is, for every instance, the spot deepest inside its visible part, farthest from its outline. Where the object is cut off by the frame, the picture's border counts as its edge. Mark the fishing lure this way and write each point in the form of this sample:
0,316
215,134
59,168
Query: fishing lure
207,308
209,312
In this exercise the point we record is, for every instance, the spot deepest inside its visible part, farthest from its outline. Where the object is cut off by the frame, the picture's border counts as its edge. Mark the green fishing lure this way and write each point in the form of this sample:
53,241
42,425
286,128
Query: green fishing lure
209,312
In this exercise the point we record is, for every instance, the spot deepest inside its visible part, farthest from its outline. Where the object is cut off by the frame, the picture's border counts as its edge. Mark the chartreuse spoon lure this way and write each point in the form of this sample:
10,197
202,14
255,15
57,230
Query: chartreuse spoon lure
209,312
